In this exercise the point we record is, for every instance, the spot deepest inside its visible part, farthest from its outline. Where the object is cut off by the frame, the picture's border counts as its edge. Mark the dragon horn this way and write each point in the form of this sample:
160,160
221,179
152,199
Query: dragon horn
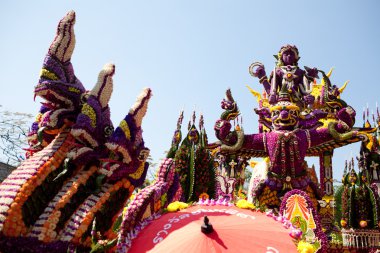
104,86
139,109
64,42
330,72
325,80
341,89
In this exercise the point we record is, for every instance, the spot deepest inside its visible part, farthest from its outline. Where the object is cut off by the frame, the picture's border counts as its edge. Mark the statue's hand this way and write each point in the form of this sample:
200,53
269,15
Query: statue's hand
309,99
260,71
257,69
272,99
347,116
318,114
311,72
263,112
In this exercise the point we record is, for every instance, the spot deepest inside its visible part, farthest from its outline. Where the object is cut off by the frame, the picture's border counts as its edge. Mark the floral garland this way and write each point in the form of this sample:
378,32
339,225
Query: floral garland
204,195
134,212
33,245
376,210
44,228
17,188
83,217
175,191
147,202
213,202
106,225
125,243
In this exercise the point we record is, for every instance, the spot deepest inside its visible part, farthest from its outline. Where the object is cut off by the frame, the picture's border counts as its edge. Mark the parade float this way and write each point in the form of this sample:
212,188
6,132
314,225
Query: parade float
81,187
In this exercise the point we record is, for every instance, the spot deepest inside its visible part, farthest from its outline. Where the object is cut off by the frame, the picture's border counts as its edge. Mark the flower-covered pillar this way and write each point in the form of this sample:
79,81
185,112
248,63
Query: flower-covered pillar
326,182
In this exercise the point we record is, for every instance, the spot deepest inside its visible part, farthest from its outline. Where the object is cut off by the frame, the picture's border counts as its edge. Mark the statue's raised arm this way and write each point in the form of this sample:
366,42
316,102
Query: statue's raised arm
231,141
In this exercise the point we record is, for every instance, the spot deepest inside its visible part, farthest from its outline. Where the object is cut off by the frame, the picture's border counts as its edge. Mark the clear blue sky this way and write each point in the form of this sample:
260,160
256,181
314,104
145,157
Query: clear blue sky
190,52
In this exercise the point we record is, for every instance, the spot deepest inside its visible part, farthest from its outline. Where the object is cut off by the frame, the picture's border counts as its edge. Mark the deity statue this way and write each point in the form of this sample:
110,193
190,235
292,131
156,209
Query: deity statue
287,143
287,76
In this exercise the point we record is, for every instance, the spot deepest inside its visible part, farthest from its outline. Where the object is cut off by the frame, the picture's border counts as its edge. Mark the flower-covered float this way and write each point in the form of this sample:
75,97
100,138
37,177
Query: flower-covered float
80,169
76,192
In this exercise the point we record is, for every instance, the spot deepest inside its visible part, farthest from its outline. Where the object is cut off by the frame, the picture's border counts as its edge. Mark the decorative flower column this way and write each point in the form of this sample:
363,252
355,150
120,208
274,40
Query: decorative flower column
326,181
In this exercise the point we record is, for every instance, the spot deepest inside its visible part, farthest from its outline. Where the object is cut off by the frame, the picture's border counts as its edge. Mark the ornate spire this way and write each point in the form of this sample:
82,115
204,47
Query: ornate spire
201,122
179,121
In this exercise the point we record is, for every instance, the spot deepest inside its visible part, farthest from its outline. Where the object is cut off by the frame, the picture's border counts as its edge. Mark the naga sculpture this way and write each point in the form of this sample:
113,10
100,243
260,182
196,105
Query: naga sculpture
77,164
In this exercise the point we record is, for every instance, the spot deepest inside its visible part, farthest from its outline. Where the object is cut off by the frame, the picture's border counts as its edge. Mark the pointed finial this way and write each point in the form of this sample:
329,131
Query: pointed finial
349,167
367,111
201,122
373,118
179,121
358,158
194,117
345,168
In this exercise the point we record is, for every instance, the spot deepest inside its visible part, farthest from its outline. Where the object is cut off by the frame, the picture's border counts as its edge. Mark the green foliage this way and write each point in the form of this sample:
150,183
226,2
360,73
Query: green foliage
194,165
103,246
183,168
191,173
338,203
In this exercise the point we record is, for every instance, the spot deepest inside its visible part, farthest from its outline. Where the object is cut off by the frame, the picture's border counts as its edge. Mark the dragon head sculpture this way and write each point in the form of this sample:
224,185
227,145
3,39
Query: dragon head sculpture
128,153
58,85
93,126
